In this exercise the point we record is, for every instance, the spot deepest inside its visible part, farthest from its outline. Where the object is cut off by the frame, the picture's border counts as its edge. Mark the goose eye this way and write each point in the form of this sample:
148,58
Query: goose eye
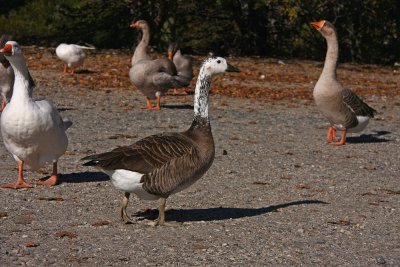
218,61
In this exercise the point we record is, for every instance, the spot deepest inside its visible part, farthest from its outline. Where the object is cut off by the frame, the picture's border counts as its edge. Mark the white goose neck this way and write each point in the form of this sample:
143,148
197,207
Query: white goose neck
332,54
21,82
202,90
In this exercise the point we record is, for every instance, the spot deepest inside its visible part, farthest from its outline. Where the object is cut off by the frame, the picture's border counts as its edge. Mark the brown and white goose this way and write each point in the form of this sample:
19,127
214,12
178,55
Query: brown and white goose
183,64
345,111
164,164
152,77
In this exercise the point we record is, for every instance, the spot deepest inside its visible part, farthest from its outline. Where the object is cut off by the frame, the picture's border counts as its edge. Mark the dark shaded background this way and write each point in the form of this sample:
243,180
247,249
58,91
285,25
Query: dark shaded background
368,29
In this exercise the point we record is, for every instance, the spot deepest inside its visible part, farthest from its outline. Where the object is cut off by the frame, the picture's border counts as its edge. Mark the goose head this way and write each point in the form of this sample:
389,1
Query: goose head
11,48
324,27
141,24
216,65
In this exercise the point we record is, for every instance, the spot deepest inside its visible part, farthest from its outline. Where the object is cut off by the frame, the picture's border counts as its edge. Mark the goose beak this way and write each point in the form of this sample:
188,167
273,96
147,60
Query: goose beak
134,24
318,25
231,68
6,50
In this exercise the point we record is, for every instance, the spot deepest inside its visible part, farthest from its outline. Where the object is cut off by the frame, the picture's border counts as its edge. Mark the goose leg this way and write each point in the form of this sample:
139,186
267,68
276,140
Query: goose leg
21,183
122,208
331,134
52,180
161,216
158,102
149,105
342,140
3,105
65,69
177,92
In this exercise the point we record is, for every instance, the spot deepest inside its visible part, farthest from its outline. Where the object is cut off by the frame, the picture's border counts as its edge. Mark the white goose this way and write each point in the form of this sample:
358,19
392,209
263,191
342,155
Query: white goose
341,106
73,56
32,131
164,164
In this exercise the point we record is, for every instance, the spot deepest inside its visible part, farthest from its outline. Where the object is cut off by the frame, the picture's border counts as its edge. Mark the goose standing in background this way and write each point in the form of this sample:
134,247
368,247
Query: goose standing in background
345,111
32,131
72,55
7,76
164,164
183,64
152,77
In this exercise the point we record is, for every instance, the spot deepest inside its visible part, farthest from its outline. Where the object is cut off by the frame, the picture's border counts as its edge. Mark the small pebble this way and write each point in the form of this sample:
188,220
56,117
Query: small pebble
380,260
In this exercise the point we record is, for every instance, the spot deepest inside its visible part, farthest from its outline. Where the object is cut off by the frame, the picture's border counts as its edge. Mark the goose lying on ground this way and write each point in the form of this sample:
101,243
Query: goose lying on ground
164,164
183,64
152,77
341,106
7,75
32,131
72,55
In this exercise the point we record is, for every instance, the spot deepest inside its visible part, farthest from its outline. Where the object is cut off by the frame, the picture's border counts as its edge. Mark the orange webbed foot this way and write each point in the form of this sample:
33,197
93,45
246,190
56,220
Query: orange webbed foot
17,185
331,134
51,181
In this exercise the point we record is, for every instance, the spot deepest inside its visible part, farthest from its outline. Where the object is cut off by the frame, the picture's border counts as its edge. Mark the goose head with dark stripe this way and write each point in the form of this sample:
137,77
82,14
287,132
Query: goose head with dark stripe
160,165
342,107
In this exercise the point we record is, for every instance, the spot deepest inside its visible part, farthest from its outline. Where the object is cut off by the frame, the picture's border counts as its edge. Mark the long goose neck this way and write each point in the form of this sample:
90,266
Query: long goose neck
140,51
202,90
332,54
21,82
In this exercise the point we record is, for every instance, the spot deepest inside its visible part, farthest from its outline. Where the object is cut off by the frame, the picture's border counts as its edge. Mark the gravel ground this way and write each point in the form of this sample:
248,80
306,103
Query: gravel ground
276,195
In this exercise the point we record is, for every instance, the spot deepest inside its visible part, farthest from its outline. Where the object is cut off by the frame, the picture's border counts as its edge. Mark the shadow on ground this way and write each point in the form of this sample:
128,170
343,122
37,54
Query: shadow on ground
83,177
217,214
184,106
368,138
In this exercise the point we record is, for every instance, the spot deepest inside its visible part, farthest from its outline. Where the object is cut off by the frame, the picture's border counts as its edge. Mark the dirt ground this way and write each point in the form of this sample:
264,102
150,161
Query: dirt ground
276,195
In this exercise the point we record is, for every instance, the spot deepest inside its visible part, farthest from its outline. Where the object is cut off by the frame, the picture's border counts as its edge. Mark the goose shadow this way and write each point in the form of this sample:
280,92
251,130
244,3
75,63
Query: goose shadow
368,138
85,71
83,177
184,106
218,214
64,109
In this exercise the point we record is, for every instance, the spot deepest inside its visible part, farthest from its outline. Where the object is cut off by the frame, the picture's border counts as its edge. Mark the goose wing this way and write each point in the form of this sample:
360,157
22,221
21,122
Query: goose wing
356,104
144,156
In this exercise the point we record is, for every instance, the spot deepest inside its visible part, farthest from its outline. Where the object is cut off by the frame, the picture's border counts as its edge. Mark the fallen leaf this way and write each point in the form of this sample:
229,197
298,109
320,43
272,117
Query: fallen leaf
100,223
260,183
340,222
31,244
51,198
62,234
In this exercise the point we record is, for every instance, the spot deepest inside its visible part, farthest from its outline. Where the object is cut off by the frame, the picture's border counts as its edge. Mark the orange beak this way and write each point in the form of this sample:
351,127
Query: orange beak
170,55
134,24
7,49
318,25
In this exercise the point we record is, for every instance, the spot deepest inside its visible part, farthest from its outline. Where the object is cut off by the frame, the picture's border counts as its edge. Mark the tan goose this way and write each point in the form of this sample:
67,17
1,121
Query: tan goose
164,164
183,64
152,77
345,111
